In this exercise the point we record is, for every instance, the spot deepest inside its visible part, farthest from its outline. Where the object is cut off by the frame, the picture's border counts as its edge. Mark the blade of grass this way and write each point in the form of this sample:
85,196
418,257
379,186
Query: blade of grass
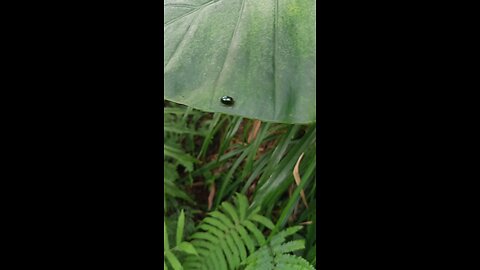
180,226
276,182
287,210
209,137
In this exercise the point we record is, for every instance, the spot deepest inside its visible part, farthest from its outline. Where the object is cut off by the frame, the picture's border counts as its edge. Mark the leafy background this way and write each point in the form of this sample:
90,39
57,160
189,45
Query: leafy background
211,159
240,181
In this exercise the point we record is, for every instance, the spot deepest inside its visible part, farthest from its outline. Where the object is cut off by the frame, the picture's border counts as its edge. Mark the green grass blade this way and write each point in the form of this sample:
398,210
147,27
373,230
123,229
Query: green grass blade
180,227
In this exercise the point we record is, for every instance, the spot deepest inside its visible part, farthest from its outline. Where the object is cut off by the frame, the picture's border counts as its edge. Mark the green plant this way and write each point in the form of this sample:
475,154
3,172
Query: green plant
275,255
257,145
261,53
174,155
224,144
233,237
227,236
179,245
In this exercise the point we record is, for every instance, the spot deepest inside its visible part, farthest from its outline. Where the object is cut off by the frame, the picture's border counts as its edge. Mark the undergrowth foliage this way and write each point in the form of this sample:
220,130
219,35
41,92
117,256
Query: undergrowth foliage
179,245
227,236
240,183
232,200
276,254
232,236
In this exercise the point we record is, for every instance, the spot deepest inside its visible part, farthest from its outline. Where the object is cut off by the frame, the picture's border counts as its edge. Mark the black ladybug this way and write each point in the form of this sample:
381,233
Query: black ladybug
228,101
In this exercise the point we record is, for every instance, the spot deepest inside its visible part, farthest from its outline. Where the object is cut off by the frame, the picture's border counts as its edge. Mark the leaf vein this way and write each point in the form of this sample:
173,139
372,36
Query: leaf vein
199,8
274,64
227,57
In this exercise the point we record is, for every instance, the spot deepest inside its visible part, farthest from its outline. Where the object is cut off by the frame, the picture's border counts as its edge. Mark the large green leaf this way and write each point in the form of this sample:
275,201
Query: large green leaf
260,52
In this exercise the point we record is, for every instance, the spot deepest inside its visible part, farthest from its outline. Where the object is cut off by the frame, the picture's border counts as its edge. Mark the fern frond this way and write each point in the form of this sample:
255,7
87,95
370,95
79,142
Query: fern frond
275,254
228,236
232,237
